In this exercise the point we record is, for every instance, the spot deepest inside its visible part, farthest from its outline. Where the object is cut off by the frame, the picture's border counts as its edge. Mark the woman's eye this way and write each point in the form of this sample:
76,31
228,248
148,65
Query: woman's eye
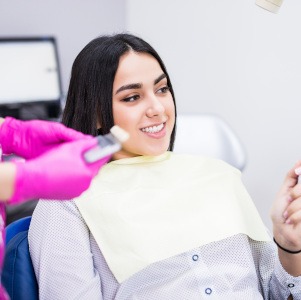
163,90
130,99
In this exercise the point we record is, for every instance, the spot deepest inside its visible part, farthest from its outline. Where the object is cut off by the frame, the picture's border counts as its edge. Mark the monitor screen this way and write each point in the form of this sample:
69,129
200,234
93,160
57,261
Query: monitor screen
29,71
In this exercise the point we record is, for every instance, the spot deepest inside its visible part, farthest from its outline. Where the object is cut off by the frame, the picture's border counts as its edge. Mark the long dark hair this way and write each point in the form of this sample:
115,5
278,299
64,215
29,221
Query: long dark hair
90,91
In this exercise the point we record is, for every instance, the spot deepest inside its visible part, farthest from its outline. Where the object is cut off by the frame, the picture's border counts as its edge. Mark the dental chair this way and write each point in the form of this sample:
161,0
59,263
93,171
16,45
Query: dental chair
18,275
209,135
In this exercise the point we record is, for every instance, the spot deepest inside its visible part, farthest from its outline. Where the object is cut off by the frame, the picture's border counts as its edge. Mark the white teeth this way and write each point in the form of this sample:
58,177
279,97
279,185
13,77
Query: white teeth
153,129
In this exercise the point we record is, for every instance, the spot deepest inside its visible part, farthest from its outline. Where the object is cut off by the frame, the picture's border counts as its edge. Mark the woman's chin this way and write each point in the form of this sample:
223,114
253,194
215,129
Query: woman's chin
150,151
155,152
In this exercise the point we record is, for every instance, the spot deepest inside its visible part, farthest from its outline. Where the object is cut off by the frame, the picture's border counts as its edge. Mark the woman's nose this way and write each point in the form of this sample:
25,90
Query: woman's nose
155,107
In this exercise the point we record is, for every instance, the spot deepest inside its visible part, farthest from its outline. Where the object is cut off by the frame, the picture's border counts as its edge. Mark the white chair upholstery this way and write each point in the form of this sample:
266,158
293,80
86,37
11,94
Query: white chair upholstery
209,135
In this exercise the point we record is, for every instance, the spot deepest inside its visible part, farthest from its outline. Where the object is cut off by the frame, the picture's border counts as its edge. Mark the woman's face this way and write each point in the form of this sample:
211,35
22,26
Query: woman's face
142,105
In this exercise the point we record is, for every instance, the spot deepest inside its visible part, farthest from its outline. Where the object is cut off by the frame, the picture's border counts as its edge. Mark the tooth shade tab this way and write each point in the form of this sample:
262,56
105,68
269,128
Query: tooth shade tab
153,129
120,134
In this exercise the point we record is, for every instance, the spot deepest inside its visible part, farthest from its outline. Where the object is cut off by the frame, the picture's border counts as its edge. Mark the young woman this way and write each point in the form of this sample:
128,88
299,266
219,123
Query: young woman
54,167
155,225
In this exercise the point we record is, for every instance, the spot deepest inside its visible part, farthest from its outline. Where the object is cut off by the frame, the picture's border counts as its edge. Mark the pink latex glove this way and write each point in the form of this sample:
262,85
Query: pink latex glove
60,173
30,139
3,294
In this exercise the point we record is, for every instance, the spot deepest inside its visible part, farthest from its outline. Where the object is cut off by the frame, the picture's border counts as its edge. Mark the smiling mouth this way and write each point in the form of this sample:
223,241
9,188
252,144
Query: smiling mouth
153,129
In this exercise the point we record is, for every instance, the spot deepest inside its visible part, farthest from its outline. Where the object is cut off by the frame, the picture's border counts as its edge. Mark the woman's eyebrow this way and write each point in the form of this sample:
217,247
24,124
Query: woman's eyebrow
131,86
134,86
162,76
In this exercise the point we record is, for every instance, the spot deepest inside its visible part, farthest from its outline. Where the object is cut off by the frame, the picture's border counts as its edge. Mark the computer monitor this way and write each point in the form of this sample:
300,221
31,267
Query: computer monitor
30,81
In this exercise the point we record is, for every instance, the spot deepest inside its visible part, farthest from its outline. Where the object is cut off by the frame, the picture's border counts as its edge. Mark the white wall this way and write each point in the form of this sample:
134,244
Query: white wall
73,22
241,62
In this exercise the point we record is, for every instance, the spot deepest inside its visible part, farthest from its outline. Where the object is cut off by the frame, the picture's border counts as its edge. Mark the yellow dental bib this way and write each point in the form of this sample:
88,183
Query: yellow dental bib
145,209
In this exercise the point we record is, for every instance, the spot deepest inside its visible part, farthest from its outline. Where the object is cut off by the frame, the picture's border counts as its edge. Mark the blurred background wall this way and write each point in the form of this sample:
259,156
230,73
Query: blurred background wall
227,57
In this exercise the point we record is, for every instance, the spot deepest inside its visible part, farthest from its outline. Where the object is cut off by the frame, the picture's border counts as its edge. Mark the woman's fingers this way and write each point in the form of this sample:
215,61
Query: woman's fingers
292,214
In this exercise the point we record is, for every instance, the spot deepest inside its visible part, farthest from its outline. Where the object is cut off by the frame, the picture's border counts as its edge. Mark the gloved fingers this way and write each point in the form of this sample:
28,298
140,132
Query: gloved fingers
95,166
60,173
65,134
7,129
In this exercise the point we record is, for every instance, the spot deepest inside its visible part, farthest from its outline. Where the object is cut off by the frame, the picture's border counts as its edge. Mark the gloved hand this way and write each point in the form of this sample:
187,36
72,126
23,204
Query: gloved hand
60,173
30,139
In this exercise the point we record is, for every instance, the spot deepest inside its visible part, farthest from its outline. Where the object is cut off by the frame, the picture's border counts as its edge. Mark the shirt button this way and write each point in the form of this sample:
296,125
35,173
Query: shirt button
208,291
195,257
290,285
